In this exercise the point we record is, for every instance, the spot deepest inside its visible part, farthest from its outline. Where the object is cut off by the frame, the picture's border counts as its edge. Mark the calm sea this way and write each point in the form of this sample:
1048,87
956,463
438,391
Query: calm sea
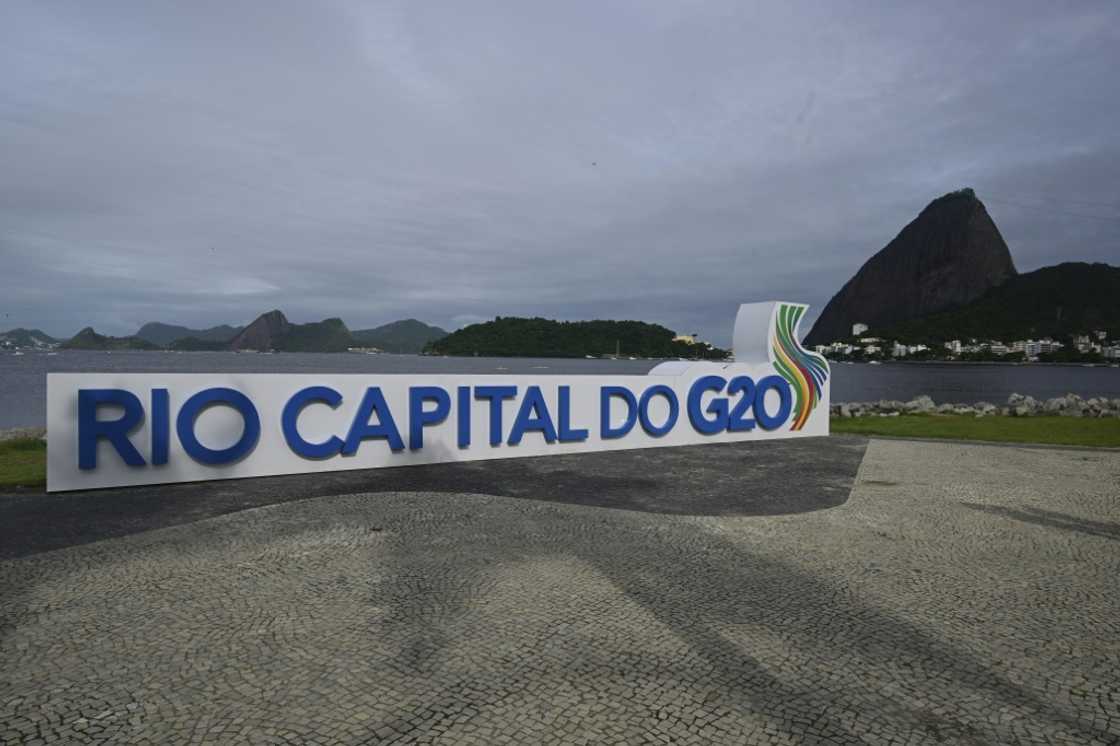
23,382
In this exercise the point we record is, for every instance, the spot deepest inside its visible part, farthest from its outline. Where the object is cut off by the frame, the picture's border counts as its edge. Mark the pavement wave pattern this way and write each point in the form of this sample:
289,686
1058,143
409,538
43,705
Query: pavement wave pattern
963,594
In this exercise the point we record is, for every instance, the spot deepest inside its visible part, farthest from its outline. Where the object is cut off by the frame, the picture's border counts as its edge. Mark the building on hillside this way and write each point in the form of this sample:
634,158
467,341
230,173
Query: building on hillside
954,346
1049,345
836,348
689,339
858,329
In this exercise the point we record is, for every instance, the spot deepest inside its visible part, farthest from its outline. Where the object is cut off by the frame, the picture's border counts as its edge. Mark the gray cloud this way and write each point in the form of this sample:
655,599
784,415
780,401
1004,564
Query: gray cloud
202,162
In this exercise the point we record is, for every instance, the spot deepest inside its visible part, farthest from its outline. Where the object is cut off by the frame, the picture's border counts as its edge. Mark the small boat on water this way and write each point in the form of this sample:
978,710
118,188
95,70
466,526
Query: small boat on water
17,353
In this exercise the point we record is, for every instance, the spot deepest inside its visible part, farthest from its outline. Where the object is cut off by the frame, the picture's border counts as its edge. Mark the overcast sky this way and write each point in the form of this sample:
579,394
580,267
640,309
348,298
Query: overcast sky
201,162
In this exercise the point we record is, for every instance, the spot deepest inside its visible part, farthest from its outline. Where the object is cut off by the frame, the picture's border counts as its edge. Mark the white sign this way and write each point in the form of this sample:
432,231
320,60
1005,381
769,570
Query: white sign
115,429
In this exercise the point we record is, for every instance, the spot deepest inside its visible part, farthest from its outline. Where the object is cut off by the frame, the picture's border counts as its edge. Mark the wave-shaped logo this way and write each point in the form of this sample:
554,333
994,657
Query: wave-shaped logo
805,371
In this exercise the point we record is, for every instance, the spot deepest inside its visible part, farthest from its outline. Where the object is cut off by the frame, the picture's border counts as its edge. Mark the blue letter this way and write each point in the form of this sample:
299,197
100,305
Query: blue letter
495,394
290,416
737,421
567,434
417,417
361,430
605,395
718,407
533,403
184,426
463,406
90,429
161,426
643,409
785,397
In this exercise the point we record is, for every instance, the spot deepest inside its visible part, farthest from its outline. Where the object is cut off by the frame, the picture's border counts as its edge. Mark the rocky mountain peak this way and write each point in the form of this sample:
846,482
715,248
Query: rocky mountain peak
949,255
264,333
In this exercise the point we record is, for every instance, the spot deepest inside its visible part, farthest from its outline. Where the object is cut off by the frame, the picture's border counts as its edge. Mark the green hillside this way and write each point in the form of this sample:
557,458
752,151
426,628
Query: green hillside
88,339
1053,302
31,338
329,335
537,337
406,336
165,335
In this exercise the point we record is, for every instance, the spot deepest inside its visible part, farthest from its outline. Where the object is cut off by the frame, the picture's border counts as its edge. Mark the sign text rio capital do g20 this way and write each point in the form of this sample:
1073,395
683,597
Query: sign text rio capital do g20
114,429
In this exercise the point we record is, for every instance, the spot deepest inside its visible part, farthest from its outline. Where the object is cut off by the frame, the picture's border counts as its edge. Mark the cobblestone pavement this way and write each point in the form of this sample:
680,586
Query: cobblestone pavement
962,594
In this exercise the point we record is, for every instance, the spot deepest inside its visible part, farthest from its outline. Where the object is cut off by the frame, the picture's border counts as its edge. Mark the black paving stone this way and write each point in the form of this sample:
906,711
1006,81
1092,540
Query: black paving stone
740,479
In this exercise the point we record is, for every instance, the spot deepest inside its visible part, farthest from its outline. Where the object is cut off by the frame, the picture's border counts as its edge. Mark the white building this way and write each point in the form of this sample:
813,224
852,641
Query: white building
858,329
1049,345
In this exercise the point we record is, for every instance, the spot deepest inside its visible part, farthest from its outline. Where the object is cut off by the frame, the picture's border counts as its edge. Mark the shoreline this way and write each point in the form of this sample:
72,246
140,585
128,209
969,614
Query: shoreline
977,362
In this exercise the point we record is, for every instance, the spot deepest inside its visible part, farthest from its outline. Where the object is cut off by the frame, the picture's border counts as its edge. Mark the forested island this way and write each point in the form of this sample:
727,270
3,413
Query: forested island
536,337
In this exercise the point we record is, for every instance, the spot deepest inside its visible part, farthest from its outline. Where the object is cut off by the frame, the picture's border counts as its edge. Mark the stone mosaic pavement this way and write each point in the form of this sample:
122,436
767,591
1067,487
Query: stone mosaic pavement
962,594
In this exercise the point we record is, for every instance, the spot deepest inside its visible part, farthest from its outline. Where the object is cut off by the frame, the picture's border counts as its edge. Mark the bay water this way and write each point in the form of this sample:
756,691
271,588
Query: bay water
23,380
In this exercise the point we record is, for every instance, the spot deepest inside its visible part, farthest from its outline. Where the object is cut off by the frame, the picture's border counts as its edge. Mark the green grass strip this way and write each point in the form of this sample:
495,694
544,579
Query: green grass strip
23,463
1066,431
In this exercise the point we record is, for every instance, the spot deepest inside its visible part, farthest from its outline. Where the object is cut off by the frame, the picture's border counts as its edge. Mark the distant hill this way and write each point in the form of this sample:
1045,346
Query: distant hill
537,337
88,339
273,331
1056,302
27,338
407,336
949,255
164,334
329,335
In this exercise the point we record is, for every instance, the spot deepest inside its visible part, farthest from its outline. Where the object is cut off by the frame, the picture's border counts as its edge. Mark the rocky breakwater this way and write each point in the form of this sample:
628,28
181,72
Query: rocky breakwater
1018,405
23,433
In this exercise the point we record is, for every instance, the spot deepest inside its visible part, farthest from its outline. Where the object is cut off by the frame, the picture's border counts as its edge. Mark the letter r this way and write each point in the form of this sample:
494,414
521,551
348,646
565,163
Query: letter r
91,429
